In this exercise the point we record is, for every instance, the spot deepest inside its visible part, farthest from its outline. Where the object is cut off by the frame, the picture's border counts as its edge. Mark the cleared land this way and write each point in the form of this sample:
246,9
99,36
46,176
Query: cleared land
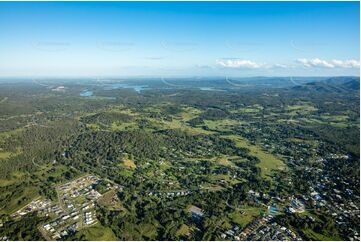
245,216
98,232
268,162
129,163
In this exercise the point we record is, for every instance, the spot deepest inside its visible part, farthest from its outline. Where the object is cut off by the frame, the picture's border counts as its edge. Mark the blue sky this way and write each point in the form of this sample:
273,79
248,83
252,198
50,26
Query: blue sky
179,38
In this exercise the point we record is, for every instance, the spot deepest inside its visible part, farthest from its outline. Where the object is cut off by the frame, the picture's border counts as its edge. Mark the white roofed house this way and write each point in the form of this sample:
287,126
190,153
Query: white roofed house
196,212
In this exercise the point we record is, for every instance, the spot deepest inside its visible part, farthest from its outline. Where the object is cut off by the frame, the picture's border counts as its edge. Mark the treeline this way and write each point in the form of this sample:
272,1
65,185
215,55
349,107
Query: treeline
23,229
107,118
98,146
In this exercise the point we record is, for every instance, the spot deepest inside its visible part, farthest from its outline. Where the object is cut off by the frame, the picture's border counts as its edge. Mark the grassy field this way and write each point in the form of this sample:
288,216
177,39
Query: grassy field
125,172
224,161
268,162
16,177
122,110
5,154
305,107
184,230
56,171
148,230
98,233
120,126
221,125
319,237
336,122
189,113
7,134
129,163
93,126
20,199
179,124
220,178
25,193
249,110
336,118
110,200
245,216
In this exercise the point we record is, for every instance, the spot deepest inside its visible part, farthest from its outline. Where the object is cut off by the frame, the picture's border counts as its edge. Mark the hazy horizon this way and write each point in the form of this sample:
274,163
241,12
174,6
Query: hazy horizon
173,76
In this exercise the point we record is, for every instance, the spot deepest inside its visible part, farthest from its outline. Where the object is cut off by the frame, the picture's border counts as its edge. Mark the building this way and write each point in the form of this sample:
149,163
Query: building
196,212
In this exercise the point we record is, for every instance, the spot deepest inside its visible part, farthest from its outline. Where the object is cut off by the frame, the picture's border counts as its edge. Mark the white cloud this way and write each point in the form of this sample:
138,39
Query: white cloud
239,63
234,63
346,63
316,62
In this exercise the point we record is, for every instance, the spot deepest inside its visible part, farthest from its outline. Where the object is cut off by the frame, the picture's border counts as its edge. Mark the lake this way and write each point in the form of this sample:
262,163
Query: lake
86,93
137,88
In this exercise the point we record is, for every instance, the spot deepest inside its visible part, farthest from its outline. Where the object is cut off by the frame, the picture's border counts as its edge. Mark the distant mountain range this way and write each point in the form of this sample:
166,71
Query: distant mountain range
333,84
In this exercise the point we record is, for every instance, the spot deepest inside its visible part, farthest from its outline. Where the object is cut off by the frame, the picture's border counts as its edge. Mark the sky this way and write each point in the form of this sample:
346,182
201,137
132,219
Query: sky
179,38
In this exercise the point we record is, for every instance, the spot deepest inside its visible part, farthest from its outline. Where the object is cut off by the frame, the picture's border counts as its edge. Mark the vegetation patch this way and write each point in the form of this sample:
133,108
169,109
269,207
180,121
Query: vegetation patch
19,199
120,126
307,107
148,230
5,154
129,163
245,215
110,200
221,125
190,113
268,162
184,230
98,233
224,161
319,237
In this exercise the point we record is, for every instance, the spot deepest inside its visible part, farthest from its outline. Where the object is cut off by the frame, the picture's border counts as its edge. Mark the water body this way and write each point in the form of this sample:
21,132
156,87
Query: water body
207,89
137,88
212,89
86,93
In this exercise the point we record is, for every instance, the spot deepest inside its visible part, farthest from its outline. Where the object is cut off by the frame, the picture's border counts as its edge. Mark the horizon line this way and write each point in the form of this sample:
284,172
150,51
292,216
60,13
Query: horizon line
172,76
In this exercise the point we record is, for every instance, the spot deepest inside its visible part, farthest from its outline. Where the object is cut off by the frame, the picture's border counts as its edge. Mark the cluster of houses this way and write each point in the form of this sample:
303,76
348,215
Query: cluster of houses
59,229
296,206
231,233
90,218
336,196
59,89
169,194
75,209
40,205
330,192
266,229
80,187
78,201
263,228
